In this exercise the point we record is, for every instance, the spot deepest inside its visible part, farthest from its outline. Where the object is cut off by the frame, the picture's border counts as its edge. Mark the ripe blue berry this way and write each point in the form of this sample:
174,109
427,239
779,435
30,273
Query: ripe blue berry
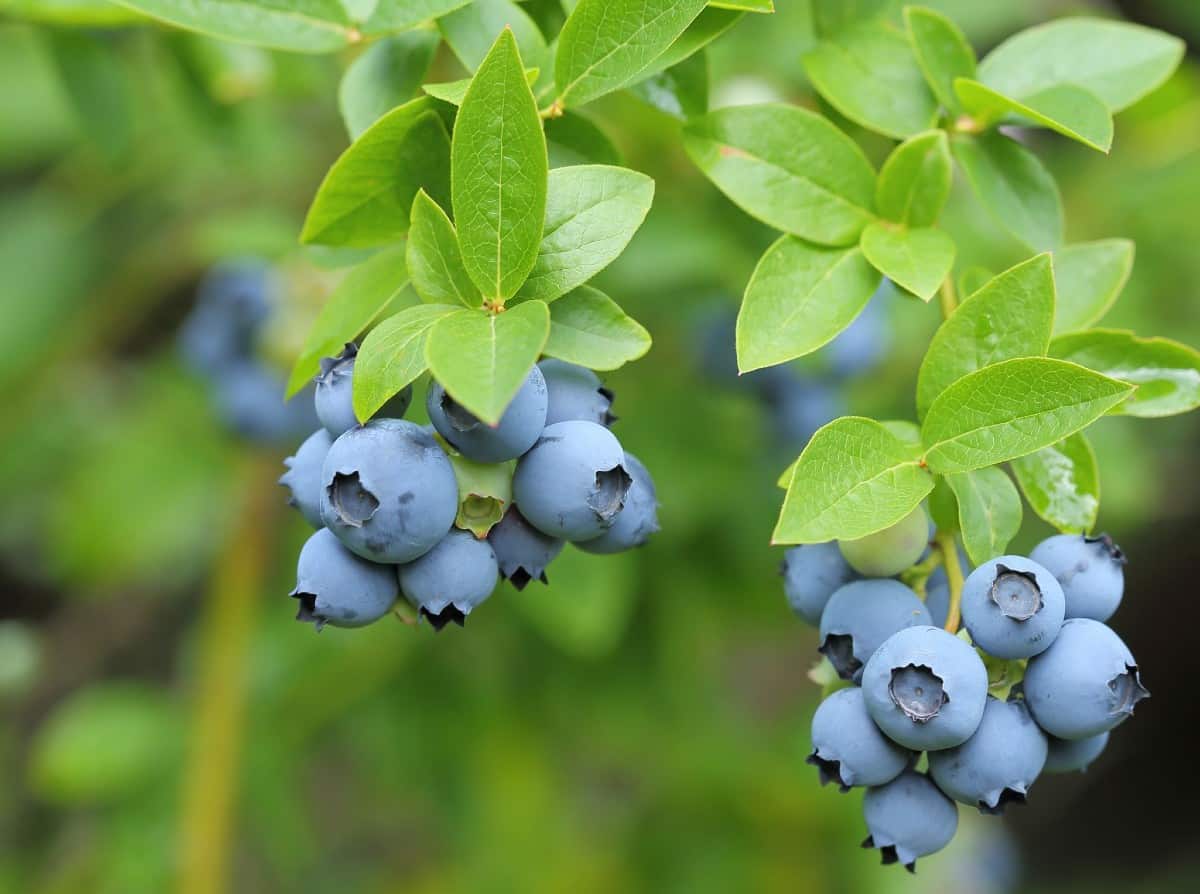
636,521
575,392
860,616
1091,571
1012,607
303,476
338,588
800,409
335,392
1085,684
388,491
891,550
811,574
234,302
848,747
250,402
515,433
862,345
522,551
998,764
572,482
908,818
1066,756
451,579
926,689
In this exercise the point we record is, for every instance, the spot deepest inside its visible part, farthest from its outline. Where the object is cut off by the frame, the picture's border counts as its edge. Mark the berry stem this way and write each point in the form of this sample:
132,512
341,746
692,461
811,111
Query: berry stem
948,297
918,575
954,577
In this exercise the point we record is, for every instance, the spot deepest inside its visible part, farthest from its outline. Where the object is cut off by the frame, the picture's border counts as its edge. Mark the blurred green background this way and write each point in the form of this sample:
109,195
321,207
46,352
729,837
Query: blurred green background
639,725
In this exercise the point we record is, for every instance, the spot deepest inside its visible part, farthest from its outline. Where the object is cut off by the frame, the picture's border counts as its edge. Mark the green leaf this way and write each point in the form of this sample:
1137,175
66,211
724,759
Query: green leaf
854,478
482,359
914,182
371,289
707,27
973,279
908,432
744,5
917,260
575,139
592,211
1062,484
788,167
1089,276
1067,109
434,260
1013,186
943,507
472,30
870,75
89,13
454,92
1010,316
390,16
680,91
832,16
1012,408
989,511
393,356
942,52
1117,61
799,297
605,44
499,174
589,328
1166,373
386,74
484,493
365,198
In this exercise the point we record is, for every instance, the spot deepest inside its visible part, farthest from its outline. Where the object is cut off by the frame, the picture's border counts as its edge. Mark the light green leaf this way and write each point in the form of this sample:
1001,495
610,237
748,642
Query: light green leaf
1010,316
744,5
605,44
680,91
390,16
393,356
574,139
1166,373
86,13
942,52
989,511
914,182
1062,484
973,279
870,75
799,297
589,328
482,359
592,211
1089,276
454,92
707,27
368,291
365,198
1067,109
434,260
386,74
908,432
1013,186
832,16
1118,61
854,478
917,260
472,30
499,174
788,167
1012,408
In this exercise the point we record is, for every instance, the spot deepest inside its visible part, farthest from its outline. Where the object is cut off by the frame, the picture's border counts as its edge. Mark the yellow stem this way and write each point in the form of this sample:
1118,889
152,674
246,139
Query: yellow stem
949,300
954,577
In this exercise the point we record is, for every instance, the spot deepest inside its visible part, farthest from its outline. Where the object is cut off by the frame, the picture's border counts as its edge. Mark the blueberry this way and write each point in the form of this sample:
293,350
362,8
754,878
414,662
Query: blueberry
862,345
250,402
811,574
848,747
575,393
1066,756
572,482
637,521
860,616
1086,682
1012,607
908,818
336,587
926,688
1091,571
998,764
891,550
522,551
233,304
451,579
799,410
334,397
388,491
303,476
516,432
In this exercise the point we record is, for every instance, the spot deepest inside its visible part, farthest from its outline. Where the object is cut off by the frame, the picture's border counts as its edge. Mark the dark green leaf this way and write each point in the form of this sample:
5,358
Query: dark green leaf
434,260
1067,109
914,182
386,74
832,16
1062,484
942,52
989,511
472,30
454,92
680,91
574,139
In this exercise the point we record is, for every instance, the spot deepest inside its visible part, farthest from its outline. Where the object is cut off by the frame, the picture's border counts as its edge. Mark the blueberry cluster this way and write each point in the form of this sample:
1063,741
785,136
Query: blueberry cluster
385,497
918,687
220,339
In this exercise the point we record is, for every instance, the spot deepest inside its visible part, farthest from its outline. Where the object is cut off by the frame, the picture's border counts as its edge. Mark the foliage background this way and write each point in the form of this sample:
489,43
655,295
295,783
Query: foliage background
640,725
